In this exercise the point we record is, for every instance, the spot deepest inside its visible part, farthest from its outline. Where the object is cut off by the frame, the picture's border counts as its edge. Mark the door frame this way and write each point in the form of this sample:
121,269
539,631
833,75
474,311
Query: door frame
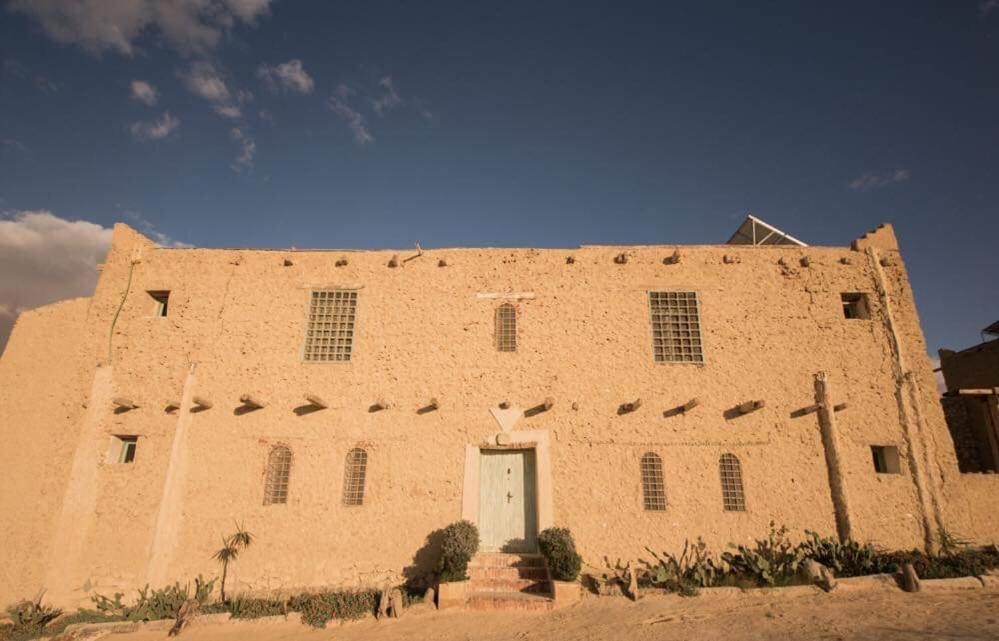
536,440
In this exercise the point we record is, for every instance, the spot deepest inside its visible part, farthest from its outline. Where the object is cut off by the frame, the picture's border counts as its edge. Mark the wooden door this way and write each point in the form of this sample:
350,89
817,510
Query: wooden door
508,515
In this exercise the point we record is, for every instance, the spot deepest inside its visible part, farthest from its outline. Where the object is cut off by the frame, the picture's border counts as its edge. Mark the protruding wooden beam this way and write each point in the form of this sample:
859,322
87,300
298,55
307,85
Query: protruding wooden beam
394,261
549,402
341,262
434,404
316,401
123,403
442,263
503,405
570,260
621,258
251,401
379,405
172,406
625,408
202,402
750,406
805,261
673,259
691,404
839,407
287,262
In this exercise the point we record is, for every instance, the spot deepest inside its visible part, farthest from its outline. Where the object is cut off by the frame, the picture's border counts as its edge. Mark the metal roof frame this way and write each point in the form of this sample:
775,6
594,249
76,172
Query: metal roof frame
754,231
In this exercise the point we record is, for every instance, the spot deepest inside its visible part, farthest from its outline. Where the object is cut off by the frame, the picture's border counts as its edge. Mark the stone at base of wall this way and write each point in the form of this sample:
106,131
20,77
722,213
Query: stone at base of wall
452,595
566,592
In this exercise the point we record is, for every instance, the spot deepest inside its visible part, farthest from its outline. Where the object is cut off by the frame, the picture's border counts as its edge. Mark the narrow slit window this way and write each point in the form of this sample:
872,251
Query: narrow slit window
329,336
126,448
653,486
676,327
162,303
885,459
354,475
855,306
278,472
506,328
733,498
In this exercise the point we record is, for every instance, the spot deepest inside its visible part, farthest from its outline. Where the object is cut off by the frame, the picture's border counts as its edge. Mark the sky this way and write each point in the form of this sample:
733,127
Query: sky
272,123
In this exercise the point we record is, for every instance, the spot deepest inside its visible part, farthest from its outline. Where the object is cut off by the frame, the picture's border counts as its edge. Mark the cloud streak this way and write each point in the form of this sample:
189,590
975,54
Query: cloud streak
144,92
389,100
289,76
190,26
870,181
156,129
355,121
247,150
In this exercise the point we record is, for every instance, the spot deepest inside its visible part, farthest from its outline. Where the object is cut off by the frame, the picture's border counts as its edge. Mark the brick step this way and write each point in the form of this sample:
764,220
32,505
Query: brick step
509,601
507,573
501,560
510,585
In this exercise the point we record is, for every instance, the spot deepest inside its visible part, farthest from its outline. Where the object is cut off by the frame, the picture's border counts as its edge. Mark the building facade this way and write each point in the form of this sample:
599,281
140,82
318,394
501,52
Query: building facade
971,403
344,405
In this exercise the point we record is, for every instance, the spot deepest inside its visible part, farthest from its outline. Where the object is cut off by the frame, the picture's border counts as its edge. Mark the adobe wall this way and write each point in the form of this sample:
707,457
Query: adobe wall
236,326
973,368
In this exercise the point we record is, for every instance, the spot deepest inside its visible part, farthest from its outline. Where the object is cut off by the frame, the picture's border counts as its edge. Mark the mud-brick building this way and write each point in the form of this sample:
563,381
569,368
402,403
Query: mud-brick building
345,404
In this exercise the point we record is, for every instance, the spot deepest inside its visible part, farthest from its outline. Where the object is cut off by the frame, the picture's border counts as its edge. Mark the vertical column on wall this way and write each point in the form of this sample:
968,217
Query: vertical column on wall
166,536
80,500
919,450
830,444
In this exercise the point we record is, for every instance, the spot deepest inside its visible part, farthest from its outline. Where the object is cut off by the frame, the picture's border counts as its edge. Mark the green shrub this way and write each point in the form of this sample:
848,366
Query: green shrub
559,551
244,607
694,569
320,608
28,618
845,559
771,561
459,544
163,603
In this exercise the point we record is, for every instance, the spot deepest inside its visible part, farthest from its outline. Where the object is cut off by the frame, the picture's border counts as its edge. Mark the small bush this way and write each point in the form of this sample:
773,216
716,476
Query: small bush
845,559
320,608
460,543
559,551
694,569
244,607
28,618
154,605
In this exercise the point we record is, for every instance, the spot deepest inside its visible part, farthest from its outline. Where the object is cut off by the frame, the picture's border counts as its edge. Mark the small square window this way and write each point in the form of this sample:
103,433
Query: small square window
162,299
126,446
885,459
855,306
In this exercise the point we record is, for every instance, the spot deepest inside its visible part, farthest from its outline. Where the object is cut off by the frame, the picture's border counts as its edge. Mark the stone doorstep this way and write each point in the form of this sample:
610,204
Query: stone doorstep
503,559
509,601
510,585
508,573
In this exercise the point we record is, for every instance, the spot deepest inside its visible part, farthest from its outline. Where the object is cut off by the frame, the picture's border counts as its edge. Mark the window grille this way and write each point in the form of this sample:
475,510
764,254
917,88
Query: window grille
653,487
506,328
354,474
676,327
278,471
330,332
733,499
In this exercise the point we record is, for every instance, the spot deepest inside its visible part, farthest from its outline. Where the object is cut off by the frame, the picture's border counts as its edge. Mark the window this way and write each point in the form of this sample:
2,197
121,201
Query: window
653,487
126,446
885,459
855,306
733,499
330,332
506,328
162,299
278,470
354,473
676,327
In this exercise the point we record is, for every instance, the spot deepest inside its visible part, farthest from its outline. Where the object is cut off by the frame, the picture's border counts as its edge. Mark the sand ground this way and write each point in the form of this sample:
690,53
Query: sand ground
888,615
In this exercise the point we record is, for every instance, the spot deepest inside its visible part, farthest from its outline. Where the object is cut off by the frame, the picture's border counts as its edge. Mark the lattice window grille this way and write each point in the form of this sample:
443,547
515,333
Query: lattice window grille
330,333
653,486
733,498
506,328
354,476
676,327
278,472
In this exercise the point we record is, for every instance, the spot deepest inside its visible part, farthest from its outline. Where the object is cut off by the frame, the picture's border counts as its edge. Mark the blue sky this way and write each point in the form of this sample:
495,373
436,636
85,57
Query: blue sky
382,124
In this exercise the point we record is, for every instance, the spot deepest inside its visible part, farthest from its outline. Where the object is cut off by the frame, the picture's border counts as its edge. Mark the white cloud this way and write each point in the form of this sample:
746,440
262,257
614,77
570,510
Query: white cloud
389,99
247,150
204,80
99,25
355,120
156,129
144,92
871,181
147,229
228,111
289,76
45,258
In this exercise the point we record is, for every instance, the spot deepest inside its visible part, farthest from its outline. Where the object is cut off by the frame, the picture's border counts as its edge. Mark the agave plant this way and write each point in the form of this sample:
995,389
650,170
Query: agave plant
232,545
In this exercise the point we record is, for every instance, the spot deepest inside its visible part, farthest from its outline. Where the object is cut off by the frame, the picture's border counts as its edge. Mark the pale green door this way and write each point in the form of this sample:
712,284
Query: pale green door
508,517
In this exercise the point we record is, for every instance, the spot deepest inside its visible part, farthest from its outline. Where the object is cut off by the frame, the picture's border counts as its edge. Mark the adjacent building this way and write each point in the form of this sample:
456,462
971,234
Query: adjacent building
343,405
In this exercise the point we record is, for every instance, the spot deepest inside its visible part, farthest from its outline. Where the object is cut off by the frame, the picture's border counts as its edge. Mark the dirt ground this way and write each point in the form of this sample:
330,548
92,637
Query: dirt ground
888,615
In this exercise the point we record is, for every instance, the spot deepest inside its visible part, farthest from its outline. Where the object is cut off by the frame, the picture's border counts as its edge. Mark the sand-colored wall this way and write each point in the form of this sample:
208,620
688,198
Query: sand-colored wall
236,326
973,368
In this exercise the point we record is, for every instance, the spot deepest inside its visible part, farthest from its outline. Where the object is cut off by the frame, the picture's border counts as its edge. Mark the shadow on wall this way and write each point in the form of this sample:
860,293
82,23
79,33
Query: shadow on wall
420,575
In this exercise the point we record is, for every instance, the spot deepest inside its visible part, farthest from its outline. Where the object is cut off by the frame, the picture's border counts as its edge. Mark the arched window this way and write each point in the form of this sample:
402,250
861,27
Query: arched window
733,499
354,473
653,487
506,328
278,469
